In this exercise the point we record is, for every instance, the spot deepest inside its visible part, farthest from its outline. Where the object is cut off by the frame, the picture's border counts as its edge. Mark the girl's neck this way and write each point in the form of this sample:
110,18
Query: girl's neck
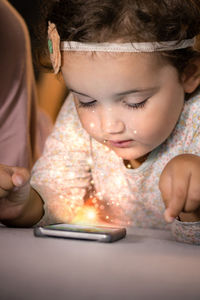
135,163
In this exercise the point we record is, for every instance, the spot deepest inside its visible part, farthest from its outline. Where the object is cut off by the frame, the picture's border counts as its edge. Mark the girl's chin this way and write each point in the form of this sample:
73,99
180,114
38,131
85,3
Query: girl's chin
126,155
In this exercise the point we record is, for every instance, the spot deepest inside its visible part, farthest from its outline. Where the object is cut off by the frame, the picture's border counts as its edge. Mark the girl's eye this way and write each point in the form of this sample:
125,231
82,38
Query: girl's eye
135,105
87,104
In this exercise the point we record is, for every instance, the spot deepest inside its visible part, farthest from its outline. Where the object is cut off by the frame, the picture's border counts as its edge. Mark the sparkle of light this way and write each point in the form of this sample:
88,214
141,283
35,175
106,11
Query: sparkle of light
86,215
91,214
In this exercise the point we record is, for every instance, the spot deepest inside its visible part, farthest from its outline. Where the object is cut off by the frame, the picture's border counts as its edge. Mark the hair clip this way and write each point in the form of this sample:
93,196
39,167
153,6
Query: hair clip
50,46
54,47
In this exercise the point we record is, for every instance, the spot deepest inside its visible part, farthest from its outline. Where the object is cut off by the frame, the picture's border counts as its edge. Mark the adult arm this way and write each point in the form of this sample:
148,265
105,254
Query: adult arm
18,117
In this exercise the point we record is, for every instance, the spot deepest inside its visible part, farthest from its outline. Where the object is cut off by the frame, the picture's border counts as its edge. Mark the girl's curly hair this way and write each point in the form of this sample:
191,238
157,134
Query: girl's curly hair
127,21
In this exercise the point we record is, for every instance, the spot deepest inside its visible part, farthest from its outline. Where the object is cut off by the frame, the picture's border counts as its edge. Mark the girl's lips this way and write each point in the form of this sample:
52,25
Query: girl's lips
120,144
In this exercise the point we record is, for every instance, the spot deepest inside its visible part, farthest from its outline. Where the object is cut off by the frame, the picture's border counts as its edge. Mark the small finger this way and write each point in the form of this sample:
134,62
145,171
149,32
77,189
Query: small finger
168,216
180,186
165,186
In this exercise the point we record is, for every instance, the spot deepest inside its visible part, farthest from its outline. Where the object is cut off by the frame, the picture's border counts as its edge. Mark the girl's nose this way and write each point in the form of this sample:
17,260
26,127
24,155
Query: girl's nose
111,123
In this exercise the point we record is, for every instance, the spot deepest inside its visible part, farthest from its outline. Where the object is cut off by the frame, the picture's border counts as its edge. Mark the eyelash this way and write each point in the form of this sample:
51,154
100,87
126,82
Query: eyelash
136,105
87,104
129,106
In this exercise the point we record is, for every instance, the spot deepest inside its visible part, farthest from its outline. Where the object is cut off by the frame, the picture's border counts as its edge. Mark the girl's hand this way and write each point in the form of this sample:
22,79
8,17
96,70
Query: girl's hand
14,188
180,188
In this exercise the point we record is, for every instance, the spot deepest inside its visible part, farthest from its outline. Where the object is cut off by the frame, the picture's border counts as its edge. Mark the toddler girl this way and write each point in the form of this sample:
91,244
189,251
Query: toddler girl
126,143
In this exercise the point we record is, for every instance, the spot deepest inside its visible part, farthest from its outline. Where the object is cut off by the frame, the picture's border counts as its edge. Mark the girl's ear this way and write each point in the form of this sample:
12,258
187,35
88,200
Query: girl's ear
191,76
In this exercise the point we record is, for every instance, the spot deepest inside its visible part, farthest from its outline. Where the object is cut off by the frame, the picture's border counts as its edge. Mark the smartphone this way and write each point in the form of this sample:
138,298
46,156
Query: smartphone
81,232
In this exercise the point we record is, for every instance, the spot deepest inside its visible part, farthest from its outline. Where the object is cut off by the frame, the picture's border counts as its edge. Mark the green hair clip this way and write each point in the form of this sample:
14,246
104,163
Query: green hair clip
50,46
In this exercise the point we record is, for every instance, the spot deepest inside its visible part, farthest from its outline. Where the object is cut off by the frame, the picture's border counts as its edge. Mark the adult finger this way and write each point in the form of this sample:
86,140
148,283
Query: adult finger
20,176
6,183
12,177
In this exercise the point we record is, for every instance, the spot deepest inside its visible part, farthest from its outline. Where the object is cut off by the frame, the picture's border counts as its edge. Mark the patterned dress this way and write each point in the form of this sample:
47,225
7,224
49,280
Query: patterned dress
74,166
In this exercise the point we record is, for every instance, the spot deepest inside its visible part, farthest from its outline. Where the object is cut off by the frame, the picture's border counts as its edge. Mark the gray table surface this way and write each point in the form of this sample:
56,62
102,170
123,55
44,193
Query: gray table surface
147,264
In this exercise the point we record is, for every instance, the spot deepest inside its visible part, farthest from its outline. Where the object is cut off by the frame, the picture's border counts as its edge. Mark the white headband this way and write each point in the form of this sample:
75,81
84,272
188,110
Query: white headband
55,46
127,47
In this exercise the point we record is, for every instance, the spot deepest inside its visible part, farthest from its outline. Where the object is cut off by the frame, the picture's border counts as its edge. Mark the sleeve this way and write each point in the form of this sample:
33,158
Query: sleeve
62,175
186,232
18,119
189,232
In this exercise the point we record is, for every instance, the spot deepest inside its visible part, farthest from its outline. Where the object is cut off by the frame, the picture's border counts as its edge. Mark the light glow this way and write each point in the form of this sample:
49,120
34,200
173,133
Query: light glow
86,215
91,214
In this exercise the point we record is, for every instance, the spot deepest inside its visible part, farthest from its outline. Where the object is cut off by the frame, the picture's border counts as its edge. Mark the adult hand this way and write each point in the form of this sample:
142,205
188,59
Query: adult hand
180,188
14,192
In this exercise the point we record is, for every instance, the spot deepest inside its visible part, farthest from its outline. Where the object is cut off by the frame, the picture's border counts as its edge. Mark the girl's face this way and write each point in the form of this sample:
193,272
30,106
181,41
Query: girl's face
129,102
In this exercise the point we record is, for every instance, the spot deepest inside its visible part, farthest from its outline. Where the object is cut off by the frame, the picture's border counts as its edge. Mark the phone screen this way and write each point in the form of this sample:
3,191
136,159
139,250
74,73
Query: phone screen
87,232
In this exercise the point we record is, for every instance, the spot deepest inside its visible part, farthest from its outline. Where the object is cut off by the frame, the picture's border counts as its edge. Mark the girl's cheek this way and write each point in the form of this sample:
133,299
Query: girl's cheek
88,122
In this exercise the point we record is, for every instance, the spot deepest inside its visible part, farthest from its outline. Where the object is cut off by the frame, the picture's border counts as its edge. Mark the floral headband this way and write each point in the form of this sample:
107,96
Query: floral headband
55,46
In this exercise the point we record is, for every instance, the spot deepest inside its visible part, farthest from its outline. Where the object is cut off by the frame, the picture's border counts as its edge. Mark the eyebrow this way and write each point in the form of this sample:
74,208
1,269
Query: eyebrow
79,93
134,91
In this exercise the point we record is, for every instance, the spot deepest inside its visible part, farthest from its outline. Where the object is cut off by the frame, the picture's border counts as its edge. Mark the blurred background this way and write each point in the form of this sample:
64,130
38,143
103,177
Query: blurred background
51,88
